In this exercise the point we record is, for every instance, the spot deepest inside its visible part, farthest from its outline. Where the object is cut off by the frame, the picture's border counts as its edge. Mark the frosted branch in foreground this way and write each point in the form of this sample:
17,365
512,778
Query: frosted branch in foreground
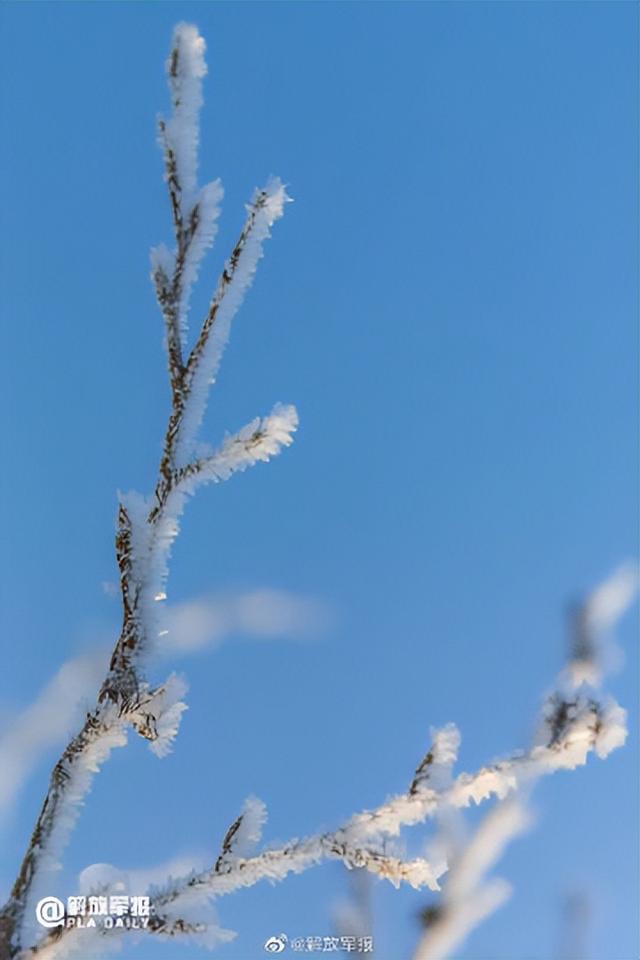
147,526
361,842
577,720
573,725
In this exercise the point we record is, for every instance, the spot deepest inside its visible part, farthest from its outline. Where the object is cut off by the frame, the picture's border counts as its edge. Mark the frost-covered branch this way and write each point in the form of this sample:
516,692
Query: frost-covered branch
259,440
147,526
434,770
195,211
70,782
360,842
576,721
576,718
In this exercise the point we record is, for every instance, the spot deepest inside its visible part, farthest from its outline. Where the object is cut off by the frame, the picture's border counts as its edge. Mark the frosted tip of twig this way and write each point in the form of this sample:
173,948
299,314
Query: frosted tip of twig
594,651
272,198
166,708
435,770
188,48
611,599
446,743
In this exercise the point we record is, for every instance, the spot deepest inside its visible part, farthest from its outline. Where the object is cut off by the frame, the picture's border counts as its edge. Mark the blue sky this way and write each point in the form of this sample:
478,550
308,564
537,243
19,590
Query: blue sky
451,303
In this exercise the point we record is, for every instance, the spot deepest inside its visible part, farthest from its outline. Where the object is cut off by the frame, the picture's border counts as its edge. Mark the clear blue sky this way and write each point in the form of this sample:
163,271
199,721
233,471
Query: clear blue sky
451,303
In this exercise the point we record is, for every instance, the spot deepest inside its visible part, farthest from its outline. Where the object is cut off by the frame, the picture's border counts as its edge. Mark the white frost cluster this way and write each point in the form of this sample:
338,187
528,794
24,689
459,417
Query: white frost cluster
186,68
600,727
165,708
436,770
249,832
613,731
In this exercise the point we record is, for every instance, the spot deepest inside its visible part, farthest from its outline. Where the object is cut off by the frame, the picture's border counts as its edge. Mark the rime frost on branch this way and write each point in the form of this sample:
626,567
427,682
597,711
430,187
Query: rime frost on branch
259,440
243,834
70,783
156,714
186,68
147,526
435,770
577,719
266,207
569,730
